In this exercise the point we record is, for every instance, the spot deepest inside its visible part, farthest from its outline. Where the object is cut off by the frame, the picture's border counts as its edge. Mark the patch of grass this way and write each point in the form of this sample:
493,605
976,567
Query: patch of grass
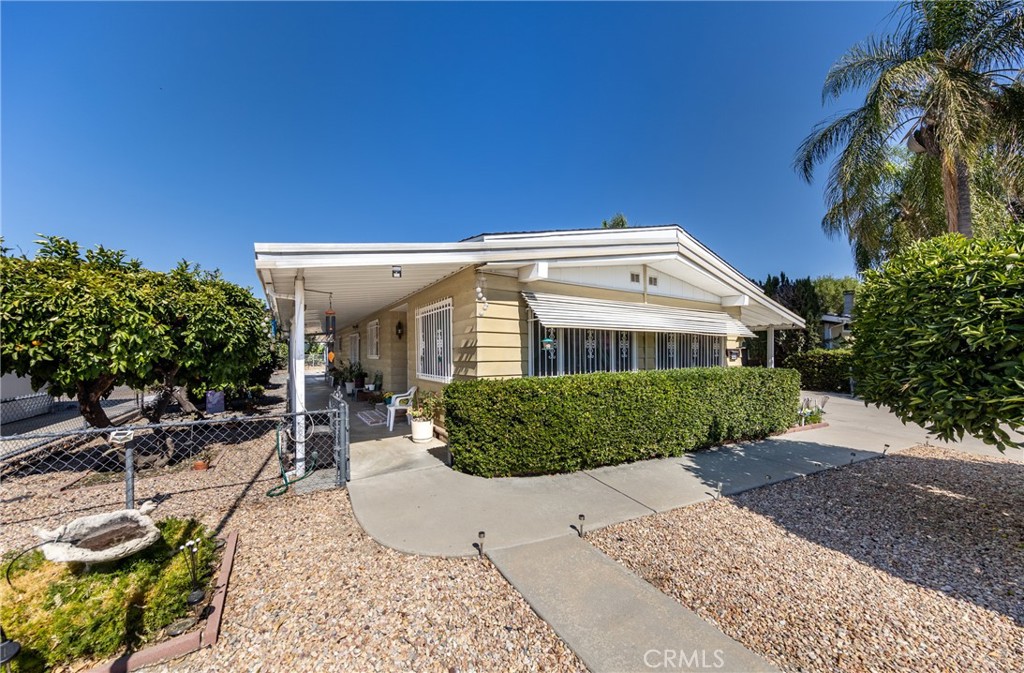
61,612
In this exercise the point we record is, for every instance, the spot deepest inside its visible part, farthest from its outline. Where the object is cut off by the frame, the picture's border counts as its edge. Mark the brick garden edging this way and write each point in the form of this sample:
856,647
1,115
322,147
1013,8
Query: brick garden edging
189,642
801,428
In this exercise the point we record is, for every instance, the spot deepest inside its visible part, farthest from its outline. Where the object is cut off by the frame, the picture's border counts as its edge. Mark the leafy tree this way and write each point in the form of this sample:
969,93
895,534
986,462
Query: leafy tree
800,297
940,336
83,325
618,221
830,290
949,79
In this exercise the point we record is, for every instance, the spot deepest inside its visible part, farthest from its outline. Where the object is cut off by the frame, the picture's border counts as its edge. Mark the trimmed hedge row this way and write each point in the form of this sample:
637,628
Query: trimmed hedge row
823,370
531,426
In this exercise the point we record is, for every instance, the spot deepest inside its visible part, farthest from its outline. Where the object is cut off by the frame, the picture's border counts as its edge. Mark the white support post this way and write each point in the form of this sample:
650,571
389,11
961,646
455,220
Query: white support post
298,351
770,350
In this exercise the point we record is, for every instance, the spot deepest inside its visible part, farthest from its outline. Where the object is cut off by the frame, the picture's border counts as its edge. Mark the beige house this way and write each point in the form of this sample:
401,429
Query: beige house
504,305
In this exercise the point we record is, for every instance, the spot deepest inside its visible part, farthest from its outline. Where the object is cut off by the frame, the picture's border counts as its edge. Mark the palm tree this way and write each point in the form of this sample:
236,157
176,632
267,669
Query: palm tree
950,80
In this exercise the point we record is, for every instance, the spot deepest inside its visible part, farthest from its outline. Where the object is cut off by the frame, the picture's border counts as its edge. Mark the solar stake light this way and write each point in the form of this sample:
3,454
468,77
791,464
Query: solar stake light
8,650
885,450
582,519
853,456
480,545
719,495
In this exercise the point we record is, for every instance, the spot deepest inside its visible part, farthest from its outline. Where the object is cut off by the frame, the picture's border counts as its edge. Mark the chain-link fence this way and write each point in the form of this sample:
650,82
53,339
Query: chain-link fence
86,457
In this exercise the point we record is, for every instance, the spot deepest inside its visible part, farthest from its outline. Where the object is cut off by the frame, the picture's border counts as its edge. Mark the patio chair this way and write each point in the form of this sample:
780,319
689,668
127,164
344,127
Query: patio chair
399,403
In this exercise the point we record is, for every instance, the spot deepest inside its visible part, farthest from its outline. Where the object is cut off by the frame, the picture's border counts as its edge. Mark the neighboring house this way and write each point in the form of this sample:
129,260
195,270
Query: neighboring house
836,329
18,401
519,304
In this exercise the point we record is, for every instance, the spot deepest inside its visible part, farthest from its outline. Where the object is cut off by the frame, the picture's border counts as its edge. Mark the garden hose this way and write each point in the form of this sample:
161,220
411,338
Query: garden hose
282,488
7,573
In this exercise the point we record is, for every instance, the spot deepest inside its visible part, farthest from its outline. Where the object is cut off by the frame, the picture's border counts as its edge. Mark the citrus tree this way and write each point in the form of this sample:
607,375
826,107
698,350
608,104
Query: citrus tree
940,336
83,324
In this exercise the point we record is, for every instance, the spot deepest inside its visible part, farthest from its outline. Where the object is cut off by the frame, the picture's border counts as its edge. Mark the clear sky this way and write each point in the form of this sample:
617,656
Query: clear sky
192,130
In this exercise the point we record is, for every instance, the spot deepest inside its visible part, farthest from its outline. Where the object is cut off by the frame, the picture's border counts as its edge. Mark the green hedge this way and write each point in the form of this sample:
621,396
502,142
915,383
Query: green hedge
823,370
537,425
940,336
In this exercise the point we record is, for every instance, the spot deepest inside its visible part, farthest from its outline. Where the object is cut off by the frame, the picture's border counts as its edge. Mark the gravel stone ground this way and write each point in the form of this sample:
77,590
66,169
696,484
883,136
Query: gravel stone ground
241,472
310,591
908,563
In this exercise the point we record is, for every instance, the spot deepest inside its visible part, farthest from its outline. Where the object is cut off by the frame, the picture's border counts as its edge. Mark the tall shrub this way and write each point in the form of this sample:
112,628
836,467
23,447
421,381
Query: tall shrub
823,370
940,336
568,423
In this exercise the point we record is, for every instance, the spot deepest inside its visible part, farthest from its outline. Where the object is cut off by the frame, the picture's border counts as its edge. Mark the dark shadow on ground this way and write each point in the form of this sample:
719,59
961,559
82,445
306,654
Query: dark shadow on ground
966,512
744,465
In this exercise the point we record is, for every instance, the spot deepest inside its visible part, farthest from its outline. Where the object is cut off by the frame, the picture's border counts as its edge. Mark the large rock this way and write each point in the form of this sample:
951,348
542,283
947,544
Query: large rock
101,537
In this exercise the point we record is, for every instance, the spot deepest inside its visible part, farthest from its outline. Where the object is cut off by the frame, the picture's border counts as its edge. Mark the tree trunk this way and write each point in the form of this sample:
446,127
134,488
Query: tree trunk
956,193
179,393
964,217
170,391
90,396
950,196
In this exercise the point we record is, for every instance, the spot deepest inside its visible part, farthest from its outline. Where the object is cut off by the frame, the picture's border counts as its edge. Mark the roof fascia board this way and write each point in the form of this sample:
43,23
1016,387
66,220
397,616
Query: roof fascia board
388,258
590,261
728,273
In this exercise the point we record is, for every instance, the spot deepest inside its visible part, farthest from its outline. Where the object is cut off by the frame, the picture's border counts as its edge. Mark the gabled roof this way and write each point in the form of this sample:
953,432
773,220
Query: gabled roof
357,277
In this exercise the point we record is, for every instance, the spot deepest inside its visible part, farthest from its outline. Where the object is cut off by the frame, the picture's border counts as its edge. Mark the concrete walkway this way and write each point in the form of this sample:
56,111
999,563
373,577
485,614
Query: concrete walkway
613,620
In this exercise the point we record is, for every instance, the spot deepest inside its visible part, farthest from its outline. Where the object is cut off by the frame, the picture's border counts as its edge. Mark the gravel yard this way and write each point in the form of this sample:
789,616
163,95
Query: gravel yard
311,591
909,563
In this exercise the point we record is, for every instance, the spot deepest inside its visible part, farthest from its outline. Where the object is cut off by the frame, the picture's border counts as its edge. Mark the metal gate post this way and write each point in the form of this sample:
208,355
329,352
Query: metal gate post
124,438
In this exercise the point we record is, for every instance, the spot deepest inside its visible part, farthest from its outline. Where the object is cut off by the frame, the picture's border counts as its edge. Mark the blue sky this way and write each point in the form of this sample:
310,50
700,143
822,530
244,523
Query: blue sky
191,130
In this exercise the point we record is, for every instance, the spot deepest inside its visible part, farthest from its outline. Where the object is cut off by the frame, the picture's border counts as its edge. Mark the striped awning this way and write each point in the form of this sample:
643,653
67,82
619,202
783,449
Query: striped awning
555,310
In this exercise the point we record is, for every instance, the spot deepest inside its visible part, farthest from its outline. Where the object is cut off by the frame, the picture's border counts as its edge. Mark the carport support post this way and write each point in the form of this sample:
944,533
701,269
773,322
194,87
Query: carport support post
770,351
298,351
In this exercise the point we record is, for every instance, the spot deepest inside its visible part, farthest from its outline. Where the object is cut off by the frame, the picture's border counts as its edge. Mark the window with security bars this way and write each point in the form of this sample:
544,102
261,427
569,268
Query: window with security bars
373,340
434,342
557,351
676,351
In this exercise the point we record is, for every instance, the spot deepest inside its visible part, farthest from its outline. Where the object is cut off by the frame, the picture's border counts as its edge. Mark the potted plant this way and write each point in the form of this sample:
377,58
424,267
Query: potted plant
378,381
349,378
423,414
358,375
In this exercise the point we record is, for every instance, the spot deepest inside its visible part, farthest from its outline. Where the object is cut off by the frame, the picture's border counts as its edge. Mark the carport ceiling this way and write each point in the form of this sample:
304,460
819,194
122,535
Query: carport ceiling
357,291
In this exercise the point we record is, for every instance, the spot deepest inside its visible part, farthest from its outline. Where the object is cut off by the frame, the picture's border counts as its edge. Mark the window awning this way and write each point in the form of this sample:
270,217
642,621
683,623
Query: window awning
554,310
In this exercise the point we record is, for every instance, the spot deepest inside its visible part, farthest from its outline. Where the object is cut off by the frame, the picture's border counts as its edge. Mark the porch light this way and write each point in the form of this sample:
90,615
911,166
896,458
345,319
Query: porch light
396,271
399,329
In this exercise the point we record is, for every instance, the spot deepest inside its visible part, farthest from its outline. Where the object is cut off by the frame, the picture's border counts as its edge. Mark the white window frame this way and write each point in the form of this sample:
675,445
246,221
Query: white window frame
373,340
434,347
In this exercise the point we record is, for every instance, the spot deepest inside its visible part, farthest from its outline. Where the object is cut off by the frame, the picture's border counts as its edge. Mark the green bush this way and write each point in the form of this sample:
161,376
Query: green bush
940,336
563,424
61,612
823,370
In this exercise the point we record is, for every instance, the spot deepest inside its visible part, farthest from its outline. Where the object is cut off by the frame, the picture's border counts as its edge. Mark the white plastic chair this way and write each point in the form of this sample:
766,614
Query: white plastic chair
399,403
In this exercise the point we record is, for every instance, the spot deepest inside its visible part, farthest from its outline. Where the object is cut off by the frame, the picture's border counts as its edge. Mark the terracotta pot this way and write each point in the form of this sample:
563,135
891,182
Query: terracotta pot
200,465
